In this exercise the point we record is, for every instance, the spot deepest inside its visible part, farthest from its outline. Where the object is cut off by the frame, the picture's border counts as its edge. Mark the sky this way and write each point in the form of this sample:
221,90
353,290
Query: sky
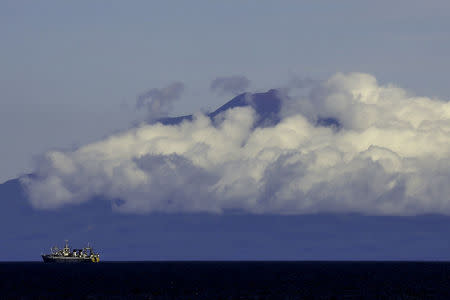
71,73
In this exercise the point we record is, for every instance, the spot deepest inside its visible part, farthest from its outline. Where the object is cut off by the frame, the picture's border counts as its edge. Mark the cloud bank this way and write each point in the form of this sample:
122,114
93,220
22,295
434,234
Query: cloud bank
230,85
390,156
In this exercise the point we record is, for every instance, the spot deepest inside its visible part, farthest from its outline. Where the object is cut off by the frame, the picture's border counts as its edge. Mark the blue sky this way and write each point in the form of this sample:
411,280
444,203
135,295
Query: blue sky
70,72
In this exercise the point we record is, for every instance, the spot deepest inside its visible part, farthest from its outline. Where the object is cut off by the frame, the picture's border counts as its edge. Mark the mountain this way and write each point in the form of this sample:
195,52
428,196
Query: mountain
26,232
267,106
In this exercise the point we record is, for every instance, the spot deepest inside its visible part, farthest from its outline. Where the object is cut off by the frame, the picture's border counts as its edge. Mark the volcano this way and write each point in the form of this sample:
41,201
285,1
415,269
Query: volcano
26,232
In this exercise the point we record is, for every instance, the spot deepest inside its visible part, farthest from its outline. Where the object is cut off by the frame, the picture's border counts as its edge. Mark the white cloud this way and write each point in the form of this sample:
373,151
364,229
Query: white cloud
390,157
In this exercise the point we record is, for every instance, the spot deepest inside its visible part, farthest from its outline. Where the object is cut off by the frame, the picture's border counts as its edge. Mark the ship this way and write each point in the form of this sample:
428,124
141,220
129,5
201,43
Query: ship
68,255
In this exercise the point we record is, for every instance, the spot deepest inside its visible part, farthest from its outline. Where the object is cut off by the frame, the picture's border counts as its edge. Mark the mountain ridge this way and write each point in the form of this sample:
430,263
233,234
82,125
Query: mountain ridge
267,105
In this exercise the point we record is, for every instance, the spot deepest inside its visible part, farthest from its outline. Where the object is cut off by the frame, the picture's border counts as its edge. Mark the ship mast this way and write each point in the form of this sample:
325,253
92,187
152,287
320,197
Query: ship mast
66,250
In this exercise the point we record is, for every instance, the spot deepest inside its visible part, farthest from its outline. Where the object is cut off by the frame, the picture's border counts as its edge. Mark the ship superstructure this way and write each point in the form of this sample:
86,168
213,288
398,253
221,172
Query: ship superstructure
68,255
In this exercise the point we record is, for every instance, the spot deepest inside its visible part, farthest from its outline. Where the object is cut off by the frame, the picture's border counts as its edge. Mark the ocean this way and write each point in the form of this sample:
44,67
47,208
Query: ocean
226,280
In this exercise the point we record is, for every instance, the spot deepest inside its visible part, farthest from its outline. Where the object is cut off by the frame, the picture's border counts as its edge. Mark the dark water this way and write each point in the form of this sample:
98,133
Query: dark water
226,280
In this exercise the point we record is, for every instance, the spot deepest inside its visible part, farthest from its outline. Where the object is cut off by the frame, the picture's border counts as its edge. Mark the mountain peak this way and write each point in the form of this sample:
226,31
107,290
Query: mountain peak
267,106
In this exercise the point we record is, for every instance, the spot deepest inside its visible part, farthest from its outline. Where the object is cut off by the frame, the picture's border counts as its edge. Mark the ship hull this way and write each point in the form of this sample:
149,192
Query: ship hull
66,259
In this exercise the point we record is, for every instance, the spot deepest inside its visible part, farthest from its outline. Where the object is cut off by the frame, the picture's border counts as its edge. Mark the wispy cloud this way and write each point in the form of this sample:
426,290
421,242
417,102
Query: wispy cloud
158,102
230,85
